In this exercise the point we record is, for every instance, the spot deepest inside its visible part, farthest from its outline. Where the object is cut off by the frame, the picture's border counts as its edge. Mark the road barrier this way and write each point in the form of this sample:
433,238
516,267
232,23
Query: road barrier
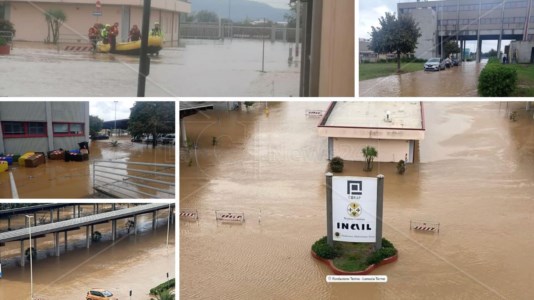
189,214
226,216
424,226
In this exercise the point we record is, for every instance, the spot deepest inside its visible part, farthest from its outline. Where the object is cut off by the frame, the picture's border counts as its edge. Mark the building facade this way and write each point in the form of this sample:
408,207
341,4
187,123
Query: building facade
392,128
476,20
42,126
30,24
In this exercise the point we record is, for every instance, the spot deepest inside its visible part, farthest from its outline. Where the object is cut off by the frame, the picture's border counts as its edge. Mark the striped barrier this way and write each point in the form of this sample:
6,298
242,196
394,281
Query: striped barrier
229,216
78,48
424,226
189,214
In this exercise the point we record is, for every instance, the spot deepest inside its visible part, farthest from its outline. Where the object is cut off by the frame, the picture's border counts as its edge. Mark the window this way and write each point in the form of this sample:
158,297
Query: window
36,128
24,129
68,129
517,4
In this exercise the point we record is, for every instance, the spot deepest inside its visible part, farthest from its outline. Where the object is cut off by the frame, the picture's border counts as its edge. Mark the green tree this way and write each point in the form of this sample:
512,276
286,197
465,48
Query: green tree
95,125
54,18
369,153
165,295
394,35
451,47
152,117
206,16
492,53
291,16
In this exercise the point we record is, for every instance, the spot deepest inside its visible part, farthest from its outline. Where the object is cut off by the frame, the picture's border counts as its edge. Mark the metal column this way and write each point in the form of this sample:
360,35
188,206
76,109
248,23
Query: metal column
56,243
379,211
135,224
154,220
87,237
329,226
22,258
113,229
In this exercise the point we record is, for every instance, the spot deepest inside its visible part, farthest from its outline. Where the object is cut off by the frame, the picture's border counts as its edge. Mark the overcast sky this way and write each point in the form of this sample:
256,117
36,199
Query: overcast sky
105,109
371,10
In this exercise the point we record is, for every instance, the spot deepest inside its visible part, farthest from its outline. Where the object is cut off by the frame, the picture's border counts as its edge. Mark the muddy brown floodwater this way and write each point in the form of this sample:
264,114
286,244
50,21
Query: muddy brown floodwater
458,81
136,263
60,179
474,176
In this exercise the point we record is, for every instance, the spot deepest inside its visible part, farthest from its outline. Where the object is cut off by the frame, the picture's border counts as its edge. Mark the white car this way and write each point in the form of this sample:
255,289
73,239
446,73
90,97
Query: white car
434,64
169,139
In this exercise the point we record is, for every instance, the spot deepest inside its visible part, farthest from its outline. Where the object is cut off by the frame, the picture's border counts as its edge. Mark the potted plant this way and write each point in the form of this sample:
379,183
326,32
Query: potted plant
5,39
5,49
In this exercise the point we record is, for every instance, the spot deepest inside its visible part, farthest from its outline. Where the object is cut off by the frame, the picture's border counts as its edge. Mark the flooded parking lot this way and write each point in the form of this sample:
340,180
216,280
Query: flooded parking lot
474,175
60,179
133,262
458,81
201,68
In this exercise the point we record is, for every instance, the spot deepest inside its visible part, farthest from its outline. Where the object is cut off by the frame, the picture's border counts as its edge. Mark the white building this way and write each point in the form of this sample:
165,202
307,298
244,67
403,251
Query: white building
30,24
392,128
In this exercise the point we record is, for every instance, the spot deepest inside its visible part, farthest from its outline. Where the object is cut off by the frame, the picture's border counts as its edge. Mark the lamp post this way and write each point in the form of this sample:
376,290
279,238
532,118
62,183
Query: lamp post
168,225
31,255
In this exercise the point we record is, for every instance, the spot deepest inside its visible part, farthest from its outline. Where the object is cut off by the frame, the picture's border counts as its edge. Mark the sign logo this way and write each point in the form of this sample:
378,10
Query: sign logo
354,209
354,187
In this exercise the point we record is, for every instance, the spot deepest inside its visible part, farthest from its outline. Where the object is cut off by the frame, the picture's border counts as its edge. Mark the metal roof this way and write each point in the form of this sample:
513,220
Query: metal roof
22,234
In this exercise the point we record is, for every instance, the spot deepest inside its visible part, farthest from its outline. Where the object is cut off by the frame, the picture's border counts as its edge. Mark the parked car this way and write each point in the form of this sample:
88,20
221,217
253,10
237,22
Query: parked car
455,62
100,137
100,294
448,62
137,139
169,139
434,64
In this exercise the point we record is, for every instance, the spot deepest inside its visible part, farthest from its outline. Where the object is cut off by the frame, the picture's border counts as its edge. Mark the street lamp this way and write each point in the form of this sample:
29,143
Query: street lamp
31,255
168,226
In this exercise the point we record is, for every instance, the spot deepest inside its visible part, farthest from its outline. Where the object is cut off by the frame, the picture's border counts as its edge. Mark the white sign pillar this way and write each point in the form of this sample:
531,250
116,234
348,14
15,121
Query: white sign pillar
354,209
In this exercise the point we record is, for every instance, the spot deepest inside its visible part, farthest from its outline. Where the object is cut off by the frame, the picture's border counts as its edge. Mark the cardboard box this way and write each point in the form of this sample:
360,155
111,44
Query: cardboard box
35,160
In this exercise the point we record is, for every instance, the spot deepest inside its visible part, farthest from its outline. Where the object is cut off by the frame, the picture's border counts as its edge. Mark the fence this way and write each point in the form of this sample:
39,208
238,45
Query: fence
218,31
118,179
8,36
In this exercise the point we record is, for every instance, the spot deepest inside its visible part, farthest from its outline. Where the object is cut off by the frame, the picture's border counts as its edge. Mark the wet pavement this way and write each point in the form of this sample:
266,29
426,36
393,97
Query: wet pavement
60,179
458,81
201,68
474,175
136,263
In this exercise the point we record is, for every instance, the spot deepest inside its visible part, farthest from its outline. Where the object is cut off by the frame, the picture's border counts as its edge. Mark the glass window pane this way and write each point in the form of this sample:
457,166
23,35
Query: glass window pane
76,129
61,128
36,128
14,128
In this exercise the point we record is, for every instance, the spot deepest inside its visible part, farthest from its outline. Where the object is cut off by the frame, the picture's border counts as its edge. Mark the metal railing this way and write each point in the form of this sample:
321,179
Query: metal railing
118,179
8,36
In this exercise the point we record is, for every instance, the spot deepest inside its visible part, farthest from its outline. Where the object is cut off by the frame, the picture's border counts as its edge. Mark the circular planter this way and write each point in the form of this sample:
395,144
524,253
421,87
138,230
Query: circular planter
369,269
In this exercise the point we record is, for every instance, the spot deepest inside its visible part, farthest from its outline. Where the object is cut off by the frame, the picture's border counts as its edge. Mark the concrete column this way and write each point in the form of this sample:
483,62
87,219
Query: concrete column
34,240
66,241
329,227
34,219
330,148
154,220
97,208
113,206
113,229
183,133
87,237
135,224
22,258
479,49
273,33
9,223
379,210
56,243
57,219
52,215
74,211
48,109
92,230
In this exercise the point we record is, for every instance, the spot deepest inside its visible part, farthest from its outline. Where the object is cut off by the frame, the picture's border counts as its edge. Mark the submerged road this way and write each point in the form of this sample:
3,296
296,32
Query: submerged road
459,81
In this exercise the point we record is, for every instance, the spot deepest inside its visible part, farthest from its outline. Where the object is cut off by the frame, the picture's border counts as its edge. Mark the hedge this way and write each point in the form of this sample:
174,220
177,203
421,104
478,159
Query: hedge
497,80
322,249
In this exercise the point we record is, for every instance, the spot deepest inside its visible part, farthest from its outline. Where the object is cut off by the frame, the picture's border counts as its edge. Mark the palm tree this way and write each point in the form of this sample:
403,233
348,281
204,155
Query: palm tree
54,18
165,295
369,153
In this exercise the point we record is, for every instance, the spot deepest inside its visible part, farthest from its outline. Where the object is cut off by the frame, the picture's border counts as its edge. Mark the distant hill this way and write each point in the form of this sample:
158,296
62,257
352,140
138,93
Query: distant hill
241,9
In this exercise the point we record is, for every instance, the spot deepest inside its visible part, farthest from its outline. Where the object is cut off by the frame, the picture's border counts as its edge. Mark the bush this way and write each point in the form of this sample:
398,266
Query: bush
497,80
97,236
337,164
401,167
322,249
387,244
5,25
493,60
2,41
163,287
381,254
